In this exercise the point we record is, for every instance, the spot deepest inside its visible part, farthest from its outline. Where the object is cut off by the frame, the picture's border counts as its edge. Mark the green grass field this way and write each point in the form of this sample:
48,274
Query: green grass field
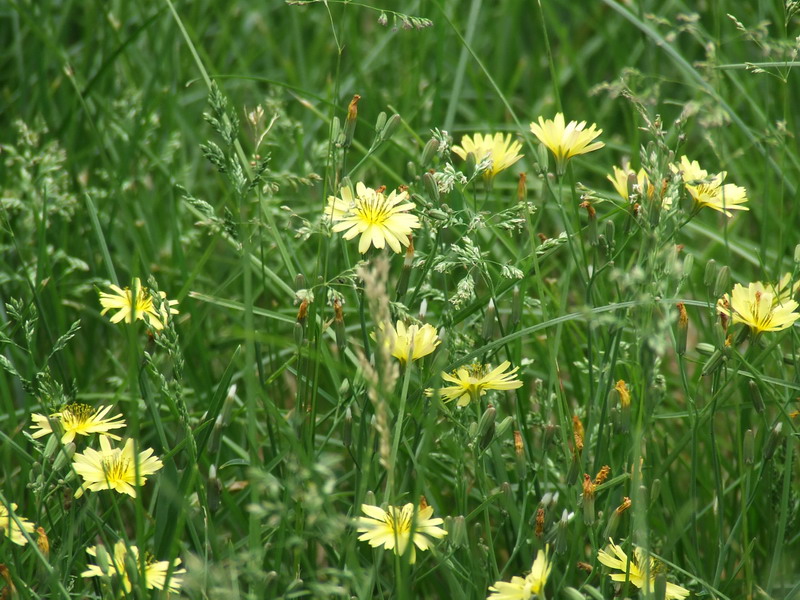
262,338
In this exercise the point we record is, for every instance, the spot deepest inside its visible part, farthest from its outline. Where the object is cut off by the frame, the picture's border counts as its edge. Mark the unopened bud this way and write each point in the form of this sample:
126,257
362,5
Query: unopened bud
42,542
428,152
588,500
380,122
486,427
456,531
338,326
64,457
592,215
773,440
755,396
516,308
683,330
214,488
391,127
655,491
688,265
660,586
430,187
522,188
488,321
710,274
713,363
797,254
103,560
539,528
723,281
470,164
570,593
748,450
503,427
347,433
350,122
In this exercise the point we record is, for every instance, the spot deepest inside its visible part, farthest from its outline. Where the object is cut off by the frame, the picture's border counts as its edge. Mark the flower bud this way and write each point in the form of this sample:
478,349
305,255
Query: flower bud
723,281
522,188
488,321
380,122
683,330
391,127
516,308
469,164
429,151
748,451
456,531
347,432
338,326
592,216
755,396
213,488
660,586
503,427
588,500
350,122
710,274
570,593
486,427
64,457
431,187
773,440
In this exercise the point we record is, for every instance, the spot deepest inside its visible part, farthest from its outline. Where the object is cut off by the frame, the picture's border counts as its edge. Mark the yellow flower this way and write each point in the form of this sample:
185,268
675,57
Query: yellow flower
114,468
759,307
620,181
708,190
566,141
155,571
524,589
392,528
412,342
639,570
470,383
380,220
10,527
78,419
498,148
142,308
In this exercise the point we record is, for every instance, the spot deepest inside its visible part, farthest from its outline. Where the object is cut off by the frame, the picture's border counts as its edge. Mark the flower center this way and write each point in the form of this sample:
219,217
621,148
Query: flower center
116,467
372,211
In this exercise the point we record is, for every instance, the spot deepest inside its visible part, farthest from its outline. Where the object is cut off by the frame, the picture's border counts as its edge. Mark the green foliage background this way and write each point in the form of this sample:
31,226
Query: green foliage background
105,176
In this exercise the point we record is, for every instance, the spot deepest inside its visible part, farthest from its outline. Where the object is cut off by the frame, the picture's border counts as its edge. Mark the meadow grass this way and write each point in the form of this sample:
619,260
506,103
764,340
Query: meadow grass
193,151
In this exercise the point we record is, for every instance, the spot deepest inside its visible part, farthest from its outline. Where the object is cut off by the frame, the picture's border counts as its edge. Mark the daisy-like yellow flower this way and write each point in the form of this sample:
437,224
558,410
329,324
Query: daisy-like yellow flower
759,307
380,220
620,181
566,140
470,383
10,527
498,148
392,528
640,570
155,571
78,419
114,468
412,342
524,588
142,307
708,190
